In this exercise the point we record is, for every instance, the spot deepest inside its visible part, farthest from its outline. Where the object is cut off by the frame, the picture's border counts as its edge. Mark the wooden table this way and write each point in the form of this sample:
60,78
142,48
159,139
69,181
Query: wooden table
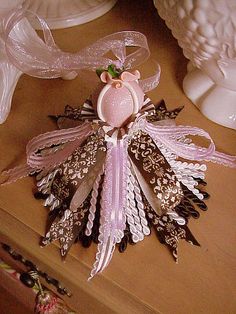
144,279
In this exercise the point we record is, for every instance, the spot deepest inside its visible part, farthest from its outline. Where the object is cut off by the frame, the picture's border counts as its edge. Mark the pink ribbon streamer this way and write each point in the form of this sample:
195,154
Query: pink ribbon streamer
46,60
36,161
112,220
118,193
168,136
73,138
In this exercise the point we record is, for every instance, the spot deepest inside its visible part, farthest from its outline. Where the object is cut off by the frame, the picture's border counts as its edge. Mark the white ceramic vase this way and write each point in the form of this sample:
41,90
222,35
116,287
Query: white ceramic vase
67,13
206,30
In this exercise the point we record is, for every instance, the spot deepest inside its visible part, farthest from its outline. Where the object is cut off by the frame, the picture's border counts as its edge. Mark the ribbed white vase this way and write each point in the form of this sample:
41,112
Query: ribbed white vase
206,30
67,13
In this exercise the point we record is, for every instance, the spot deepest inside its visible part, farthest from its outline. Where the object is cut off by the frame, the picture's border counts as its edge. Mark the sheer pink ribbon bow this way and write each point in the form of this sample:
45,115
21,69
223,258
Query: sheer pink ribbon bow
46,60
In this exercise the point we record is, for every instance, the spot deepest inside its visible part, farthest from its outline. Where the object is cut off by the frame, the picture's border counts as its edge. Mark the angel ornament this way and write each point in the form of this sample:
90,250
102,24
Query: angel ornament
118,166
116,174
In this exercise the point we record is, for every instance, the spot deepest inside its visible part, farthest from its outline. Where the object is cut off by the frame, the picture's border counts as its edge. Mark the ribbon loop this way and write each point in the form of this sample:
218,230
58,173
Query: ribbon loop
36,161
44,59
152,81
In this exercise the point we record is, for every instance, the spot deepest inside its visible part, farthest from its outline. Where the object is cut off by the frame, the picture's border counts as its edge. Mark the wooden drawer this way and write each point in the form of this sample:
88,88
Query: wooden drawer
15,297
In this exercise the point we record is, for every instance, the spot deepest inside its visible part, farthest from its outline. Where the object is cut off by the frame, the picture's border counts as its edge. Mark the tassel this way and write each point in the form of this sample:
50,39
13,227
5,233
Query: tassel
49,303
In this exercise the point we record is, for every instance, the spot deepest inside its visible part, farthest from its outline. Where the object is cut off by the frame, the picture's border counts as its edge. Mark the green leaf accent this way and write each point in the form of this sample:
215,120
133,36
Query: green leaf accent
99,71
113,71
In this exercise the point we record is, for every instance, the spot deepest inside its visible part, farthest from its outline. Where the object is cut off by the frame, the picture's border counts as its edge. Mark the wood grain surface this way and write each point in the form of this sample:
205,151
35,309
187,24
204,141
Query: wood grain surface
144,279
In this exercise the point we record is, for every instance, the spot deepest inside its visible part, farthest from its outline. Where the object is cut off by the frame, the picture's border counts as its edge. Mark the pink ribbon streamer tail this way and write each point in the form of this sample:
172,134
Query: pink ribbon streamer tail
37,160
170,137
112,221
